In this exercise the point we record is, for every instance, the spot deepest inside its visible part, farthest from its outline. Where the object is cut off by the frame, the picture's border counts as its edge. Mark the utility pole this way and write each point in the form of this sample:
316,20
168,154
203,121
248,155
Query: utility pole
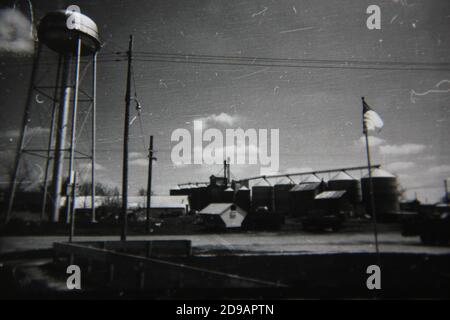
225,172
447,199
149,182
228,171
72,205
125,145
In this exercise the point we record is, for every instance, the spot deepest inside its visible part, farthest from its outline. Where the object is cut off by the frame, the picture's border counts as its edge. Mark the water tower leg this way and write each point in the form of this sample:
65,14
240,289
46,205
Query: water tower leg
73,132
50,140
60,148
25,120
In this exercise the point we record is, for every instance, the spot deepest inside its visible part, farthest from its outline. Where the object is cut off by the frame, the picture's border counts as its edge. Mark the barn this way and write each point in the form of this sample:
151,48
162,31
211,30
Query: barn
223,215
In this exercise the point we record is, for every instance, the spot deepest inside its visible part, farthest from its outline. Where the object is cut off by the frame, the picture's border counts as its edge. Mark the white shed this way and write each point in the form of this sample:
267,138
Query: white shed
224,215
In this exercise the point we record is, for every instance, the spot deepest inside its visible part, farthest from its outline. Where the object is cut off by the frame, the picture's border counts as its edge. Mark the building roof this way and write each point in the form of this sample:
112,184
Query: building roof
379,173
330,195
216,208
342,176
305,187
311,179
229,189
244,188
284,180
262,183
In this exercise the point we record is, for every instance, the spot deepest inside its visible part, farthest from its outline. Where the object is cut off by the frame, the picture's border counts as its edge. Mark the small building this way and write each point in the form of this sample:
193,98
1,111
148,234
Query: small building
302,197
159,205
223,215
332,202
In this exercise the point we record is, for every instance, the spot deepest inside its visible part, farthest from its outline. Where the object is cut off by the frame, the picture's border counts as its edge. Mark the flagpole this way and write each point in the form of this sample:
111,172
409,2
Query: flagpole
372,201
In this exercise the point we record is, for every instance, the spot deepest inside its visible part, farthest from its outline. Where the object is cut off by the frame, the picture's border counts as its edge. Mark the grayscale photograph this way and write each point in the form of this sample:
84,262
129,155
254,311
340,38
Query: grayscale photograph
226,150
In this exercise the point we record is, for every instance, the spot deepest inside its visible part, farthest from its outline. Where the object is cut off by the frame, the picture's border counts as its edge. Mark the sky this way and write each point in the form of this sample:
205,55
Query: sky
316,110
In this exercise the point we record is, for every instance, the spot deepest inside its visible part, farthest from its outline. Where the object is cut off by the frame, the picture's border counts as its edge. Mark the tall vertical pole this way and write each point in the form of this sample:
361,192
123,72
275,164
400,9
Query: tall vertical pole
94,116
60,147
25,121
149,182
50,140
73,206
228,171
225,172
447,199
372,201
125,145
74,129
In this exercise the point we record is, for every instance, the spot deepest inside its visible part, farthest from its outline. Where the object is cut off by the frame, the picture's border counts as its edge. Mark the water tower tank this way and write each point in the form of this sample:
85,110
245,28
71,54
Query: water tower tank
342,181
385,193
55,34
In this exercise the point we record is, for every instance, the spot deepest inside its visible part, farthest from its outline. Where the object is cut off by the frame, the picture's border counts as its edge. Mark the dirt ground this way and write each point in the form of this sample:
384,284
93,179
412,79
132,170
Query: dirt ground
257,242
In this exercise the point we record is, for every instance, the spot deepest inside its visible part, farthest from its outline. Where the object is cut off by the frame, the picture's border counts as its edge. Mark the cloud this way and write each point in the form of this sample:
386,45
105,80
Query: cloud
400,166
439,89
267,171
403,149
440,169
223,118
15,33
142,162
301,169
373,141
135,155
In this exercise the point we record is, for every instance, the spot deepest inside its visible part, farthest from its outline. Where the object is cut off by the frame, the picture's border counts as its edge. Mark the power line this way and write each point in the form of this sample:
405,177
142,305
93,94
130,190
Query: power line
285,65
255,59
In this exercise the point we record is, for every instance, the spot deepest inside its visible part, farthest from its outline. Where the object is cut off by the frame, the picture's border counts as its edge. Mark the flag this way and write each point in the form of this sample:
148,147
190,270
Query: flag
371,119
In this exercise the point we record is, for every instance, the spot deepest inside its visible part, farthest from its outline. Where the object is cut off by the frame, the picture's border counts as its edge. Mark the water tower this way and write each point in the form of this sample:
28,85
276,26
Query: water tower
74,38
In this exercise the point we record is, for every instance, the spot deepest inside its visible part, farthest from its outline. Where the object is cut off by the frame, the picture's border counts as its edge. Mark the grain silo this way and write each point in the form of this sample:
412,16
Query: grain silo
385,193
243,198
343,181
215,193
203,196
282,197
176,191
228,195
199,196
302,197
262,195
